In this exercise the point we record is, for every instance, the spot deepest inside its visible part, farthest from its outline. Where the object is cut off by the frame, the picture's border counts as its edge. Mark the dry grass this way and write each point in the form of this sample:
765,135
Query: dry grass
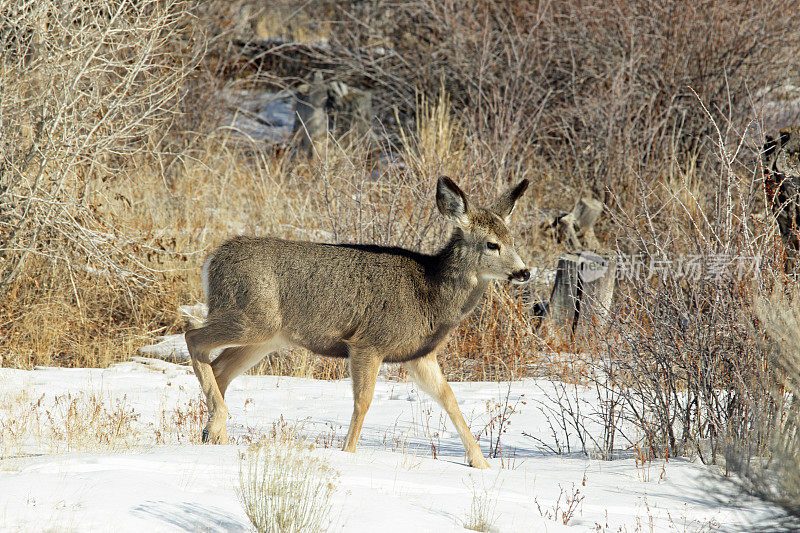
111,208
285,489
482,515
221,186
67,423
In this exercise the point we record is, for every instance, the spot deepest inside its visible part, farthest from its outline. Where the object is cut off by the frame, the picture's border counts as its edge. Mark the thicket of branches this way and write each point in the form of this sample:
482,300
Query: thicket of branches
89,90
595,91
86,89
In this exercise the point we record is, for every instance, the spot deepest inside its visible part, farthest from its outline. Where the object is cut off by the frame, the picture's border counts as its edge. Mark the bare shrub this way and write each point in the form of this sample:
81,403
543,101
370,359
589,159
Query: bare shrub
284,489
682,367
87,91
597,90
83,89
685,345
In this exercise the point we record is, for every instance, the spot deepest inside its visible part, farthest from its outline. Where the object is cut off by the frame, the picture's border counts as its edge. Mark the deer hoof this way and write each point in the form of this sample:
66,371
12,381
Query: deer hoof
479,463
211,436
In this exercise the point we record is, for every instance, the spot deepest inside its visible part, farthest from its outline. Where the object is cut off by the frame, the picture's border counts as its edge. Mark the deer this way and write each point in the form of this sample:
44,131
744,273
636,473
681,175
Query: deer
372,304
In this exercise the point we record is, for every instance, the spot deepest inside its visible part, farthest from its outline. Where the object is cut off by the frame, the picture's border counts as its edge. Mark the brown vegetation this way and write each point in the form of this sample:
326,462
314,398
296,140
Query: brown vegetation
117,176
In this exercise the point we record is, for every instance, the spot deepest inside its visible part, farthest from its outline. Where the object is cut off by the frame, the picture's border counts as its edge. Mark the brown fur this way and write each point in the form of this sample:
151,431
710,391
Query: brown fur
372,304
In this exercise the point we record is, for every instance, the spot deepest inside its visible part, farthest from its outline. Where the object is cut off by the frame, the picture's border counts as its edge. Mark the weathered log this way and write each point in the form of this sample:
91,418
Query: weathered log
582,293
781,158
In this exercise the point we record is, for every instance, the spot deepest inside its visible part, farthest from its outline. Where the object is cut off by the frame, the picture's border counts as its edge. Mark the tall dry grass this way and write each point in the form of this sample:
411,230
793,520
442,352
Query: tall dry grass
773,476
139,236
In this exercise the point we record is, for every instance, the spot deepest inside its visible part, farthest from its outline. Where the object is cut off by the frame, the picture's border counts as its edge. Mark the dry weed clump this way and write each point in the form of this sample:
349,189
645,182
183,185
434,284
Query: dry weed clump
482,514
285,489
181,424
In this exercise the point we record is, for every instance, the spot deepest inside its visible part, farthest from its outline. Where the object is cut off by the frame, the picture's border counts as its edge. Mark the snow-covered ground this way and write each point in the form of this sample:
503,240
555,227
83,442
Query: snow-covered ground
260,116
116,450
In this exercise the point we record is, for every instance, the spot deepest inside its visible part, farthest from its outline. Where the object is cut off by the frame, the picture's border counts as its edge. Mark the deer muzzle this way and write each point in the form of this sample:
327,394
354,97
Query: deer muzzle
520,276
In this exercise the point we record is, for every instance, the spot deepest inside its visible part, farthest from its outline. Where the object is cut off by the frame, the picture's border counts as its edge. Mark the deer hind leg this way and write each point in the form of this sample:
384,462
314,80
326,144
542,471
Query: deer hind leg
427,373
364,368
237,360
200,342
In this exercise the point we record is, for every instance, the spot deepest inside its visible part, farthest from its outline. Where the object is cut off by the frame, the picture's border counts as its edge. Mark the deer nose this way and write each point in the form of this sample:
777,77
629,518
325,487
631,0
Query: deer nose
522,275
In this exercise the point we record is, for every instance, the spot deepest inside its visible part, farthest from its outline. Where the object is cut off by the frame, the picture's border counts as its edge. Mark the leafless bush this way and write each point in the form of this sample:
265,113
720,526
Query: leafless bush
599,90
686,344
585,417
85,89
89,91
682,368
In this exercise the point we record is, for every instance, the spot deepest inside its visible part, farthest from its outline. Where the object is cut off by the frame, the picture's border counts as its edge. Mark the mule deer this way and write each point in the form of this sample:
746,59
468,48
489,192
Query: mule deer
372,304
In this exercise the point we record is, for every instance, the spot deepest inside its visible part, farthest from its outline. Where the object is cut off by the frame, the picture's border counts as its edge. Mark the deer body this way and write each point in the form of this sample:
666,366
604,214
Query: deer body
372,304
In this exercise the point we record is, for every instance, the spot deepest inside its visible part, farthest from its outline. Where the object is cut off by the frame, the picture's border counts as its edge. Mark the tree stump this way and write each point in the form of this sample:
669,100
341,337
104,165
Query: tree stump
576,228
582,294
351,111
322,106
310,116
781,158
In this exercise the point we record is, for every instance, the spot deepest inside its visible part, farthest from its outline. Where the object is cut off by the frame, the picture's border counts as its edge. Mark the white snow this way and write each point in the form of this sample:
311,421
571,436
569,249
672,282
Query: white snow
261,116
116,449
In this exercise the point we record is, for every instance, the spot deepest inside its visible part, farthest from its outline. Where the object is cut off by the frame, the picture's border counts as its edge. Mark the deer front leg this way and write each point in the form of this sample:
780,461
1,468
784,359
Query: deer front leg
427,373
364,368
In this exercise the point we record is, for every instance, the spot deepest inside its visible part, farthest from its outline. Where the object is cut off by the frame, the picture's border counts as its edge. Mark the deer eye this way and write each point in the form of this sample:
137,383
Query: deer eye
492,246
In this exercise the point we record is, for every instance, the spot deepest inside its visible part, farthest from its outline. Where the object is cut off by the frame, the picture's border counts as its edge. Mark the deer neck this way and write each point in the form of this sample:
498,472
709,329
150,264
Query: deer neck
458,289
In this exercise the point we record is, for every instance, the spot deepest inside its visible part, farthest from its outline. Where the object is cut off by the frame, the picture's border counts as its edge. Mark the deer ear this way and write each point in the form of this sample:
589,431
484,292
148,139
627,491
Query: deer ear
452,202
506,203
